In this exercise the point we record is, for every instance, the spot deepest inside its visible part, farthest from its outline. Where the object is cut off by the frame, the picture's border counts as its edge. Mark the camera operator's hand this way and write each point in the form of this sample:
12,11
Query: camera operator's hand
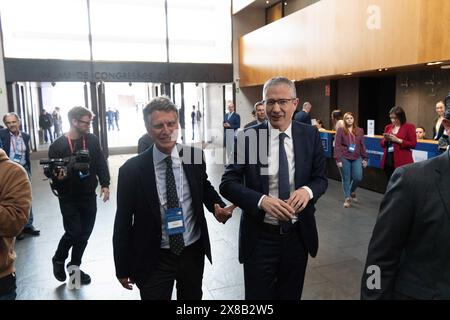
104,193
62,174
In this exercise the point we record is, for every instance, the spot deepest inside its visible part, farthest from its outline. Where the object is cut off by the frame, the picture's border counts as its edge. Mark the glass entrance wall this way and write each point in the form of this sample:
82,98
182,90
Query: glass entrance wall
124,104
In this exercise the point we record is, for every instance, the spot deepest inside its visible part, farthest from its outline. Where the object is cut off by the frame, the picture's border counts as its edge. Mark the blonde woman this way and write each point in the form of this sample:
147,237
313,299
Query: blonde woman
350,155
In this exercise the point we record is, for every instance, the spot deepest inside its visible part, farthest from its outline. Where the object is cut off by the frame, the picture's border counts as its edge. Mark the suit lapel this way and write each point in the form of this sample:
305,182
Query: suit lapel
263,163
299,153
443,180
148,182
189,172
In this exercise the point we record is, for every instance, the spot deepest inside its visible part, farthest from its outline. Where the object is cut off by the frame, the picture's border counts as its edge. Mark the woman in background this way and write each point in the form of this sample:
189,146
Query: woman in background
438,128
399,139
350,155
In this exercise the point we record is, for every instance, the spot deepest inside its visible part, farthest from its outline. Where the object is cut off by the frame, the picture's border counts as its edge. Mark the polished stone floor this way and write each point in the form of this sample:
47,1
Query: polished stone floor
334,274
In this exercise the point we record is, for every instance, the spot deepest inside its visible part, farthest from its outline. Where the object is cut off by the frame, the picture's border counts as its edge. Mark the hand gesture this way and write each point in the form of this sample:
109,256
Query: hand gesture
277,208
223,214
127,283
299,200
105,193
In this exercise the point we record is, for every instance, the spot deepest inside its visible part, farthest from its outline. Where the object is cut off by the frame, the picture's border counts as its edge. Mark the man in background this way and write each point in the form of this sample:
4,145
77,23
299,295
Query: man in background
303,116
259,112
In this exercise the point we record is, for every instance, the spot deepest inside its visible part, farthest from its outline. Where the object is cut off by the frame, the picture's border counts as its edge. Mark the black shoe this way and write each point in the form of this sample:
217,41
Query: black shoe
84,277
58,270
20,236
32,231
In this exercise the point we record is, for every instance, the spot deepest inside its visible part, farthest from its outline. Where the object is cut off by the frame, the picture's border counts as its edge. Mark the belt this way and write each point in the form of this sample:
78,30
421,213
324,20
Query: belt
274,229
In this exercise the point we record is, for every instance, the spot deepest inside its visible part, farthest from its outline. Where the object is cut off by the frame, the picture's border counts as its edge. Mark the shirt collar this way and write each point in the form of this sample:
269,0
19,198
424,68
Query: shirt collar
159,156
12,135
274,133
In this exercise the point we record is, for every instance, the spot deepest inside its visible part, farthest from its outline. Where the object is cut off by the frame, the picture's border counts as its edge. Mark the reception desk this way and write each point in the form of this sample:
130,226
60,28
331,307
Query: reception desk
374,177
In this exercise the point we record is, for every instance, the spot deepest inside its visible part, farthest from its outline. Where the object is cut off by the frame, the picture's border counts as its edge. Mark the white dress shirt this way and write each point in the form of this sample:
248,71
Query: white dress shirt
273,167
191,233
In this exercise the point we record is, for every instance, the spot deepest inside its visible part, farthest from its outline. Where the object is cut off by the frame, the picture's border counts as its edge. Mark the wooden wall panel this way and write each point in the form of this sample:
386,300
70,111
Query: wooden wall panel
331,37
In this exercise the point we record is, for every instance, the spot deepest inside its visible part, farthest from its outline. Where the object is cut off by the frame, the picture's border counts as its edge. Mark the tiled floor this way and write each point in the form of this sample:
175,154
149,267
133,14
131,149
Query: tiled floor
334,274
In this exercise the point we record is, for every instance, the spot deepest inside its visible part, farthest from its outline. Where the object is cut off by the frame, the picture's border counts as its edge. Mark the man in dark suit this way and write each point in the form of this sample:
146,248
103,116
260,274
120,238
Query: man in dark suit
231,123
409,253
281,186
16,145
160,230
303,116
259,112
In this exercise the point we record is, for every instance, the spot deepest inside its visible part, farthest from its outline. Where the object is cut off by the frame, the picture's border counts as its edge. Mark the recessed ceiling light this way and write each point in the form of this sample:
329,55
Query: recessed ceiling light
267,2
285,3
348,74
380,70
434,63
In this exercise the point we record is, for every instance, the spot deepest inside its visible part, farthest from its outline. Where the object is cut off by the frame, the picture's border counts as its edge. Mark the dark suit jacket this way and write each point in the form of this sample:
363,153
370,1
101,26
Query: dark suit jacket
251,124
411,239
144,143
6,140
234,121
310,164
137,227
402,153
303,117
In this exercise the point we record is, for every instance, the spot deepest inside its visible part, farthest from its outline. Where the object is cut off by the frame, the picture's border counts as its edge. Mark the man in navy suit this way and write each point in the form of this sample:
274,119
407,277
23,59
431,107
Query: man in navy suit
231,124
408,255
160,230
303,116
276,191
16,145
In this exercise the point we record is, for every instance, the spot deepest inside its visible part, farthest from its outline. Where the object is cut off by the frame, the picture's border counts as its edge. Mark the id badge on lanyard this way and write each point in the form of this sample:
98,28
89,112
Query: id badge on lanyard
352,145
17,158
174,221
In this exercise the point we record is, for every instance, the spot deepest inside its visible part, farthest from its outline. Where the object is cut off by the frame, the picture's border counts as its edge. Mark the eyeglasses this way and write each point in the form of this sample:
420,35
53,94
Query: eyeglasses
85,122
281,102
159,126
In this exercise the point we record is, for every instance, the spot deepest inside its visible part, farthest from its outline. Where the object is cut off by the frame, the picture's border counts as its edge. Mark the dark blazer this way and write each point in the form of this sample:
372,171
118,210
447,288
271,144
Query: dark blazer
137,226
402,153
144,143
303,117
411,239
251,124
234,120
437,134
6,140
244,185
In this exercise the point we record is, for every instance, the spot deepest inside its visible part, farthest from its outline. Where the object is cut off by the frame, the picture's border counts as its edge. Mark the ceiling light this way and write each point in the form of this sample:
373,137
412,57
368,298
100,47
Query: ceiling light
447,66
285,3
434,63
348,74
267,2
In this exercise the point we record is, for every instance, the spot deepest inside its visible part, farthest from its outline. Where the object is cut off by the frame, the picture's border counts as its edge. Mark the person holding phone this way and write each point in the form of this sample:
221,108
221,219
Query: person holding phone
399,138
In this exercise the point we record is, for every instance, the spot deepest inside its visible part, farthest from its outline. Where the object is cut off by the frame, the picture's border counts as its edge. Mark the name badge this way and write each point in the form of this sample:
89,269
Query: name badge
17,158
391,149
174,221
352,147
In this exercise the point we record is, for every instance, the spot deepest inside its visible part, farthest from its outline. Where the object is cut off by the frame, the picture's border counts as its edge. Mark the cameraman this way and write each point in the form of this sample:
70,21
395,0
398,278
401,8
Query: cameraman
76,189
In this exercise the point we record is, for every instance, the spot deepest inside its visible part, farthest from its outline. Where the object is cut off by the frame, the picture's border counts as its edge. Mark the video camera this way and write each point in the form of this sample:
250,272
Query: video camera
78,164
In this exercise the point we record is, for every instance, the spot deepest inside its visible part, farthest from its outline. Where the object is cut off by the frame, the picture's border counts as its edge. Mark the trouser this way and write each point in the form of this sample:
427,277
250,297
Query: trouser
8,287
48,133
276,268
30,218
78,219
186,269
351,174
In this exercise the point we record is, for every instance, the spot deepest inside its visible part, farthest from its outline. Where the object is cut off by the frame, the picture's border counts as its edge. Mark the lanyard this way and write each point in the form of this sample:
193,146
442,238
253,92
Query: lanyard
351,137
16,145
71,146
160,194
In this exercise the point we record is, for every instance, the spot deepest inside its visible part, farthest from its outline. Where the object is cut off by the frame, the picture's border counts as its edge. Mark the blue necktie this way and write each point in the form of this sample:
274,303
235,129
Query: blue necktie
176,241
284,190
